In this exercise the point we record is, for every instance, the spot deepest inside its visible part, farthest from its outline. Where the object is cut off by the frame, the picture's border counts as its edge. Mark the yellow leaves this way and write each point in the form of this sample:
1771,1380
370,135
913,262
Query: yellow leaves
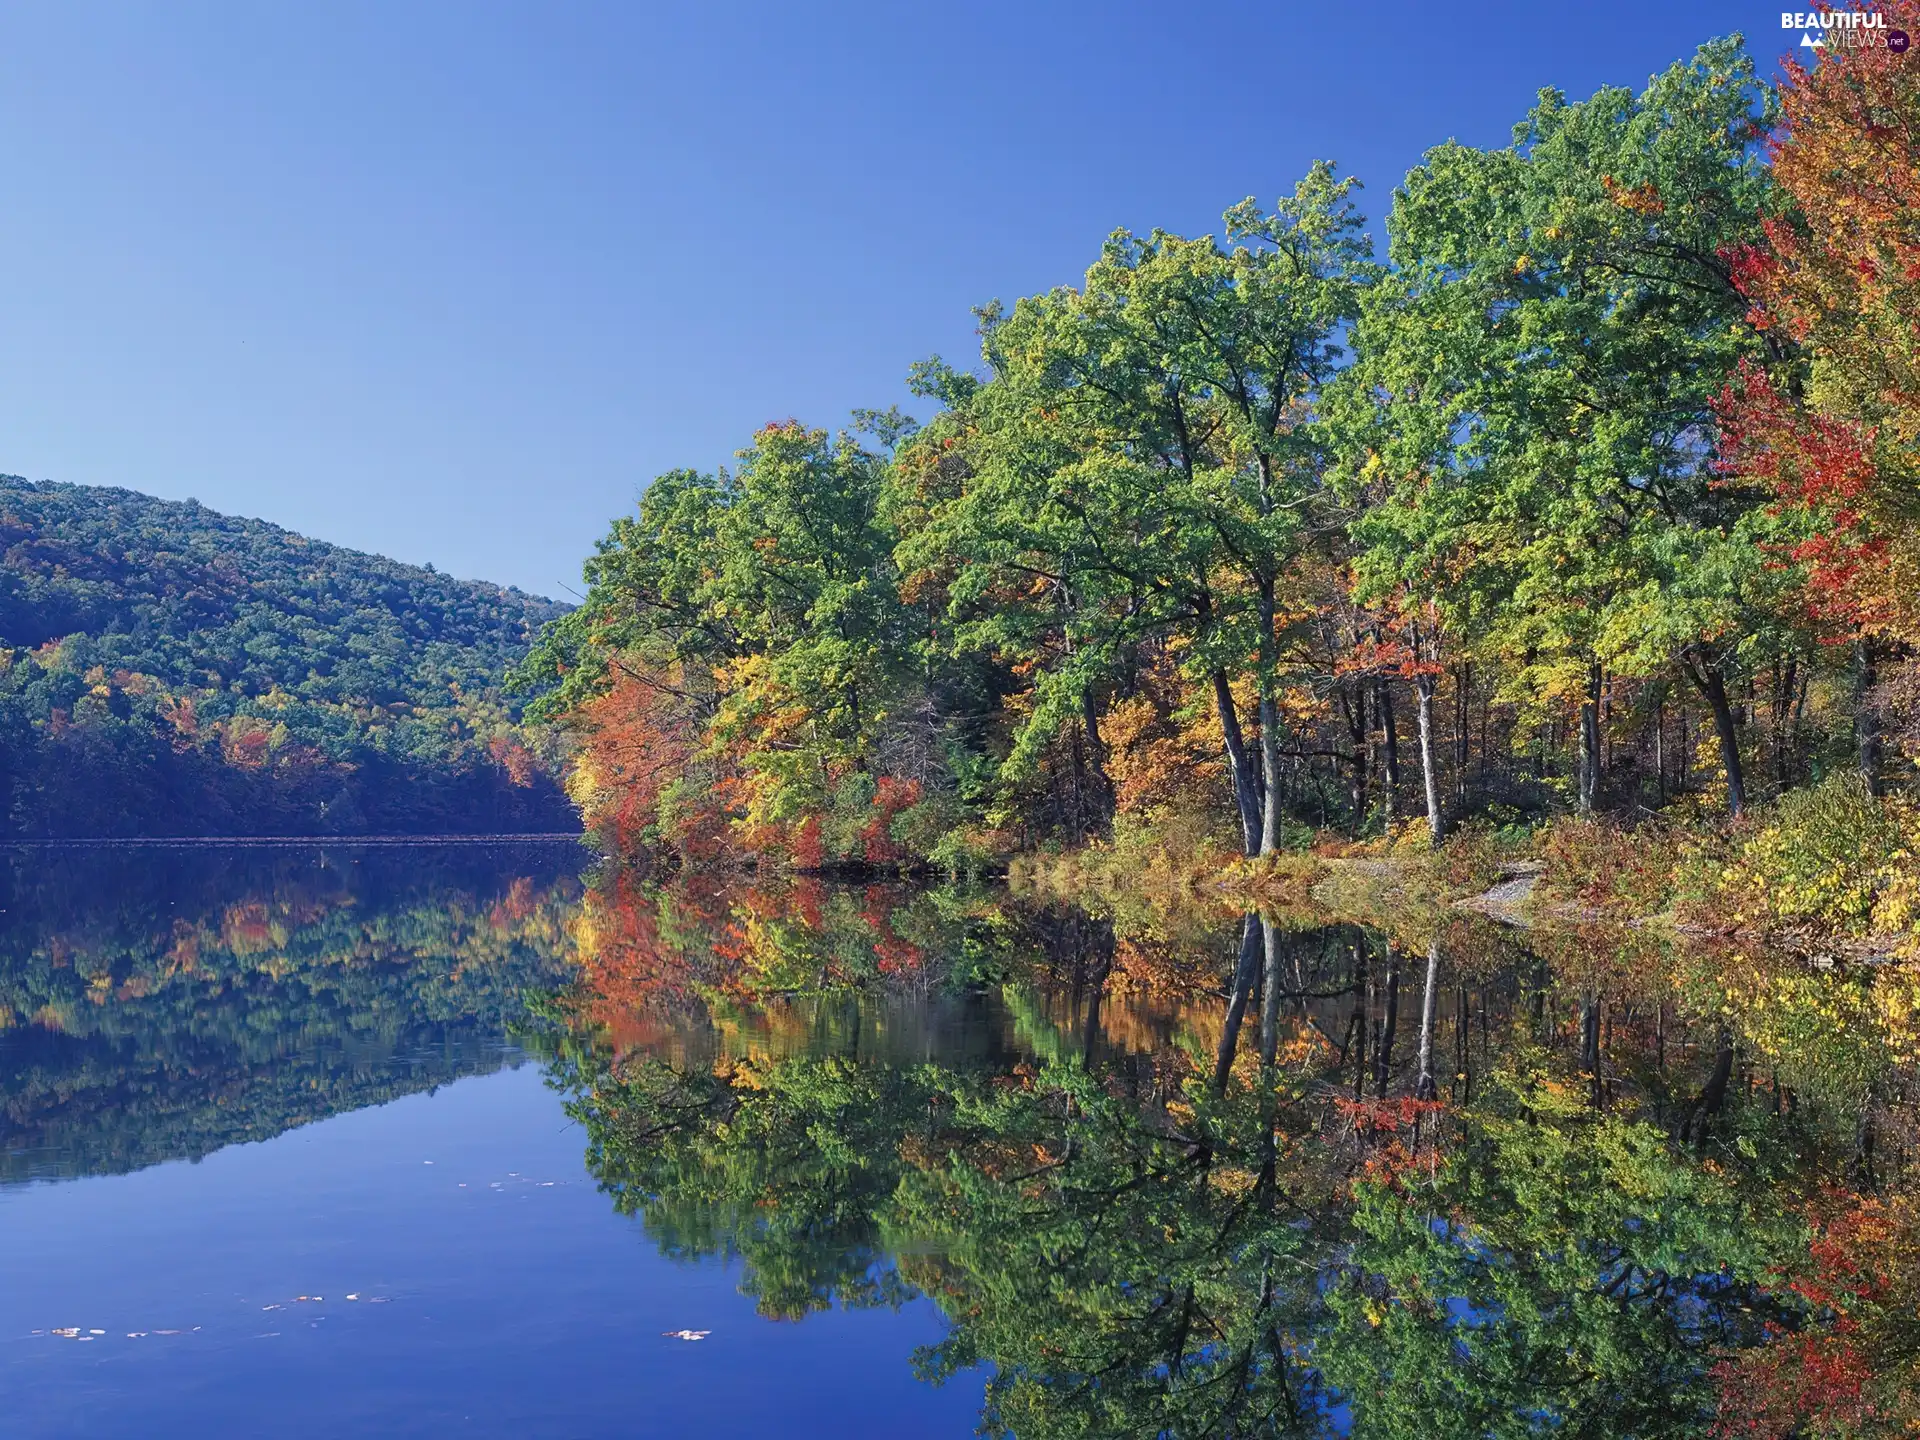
1639,199
1558,1098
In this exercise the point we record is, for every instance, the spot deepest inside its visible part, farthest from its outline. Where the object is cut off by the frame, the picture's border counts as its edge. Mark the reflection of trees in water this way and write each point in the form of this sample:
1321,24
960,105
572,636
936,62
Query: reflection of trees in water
159,1005
693,970
1451,1189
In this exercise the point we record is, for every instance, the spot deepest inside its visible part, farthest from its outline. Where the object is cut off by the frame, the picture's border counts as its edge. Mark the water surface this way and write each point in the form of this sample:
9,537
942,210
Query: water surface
440,1141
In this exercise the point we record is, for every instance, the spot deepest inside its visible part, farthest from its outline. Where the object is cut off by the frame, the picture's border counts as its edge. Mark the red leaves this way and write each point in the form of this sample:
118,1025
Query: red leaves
1389,655
1385,1117
1390,1133
891,954
1817,463
890,797
806,848
514,758
1750,266
1839,274
1774,1391
1826,1370
636,740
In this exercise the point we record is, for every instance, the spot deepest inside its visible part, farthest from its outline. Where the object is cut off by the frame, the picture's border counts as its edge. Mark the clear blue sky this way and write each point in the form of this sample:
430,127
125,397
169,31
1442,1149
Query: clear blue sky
451,281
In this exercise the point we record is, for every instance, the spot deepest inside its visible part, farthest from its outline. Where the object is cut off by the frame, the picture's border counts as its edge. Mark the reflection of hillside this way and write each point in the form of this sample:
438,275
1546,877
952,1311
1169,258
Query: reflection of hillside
159,1006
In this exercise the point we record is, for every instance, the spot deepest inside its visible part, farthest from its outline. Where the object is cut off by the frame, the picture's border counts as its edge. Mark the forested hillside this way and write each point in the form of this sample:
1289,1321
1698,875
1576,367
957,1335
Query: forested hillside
1592,490
168,670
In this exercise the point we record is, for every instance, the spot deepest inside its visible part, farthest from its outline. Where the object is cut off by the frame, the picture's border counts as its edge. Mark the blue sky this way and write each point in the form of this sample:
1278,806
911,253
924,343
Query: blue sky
452,281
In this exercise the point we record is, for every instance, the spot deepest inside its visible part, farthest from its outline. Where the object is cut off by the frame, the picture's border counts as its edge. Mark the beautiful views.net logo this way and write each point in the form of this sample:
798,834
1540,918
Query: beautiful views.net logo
1848,29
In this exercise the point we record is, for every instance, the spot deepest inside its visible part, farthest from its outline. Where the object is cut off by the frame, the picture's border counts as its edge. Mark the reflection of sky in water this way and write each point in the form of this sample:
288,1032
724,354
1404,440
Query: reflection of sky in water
527,1309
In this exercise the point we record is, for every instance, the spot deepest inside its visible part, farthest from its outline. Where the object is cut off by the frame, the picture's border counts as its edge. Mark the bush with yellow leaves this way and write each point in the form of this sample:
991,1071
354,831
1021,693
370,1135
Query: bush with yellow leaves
1831,860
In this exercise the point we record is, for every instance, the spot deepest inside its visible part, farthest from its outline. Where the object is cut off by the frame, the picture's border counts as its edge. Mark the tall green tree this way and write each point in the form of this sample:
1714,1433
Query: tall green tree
1147,452
1541,367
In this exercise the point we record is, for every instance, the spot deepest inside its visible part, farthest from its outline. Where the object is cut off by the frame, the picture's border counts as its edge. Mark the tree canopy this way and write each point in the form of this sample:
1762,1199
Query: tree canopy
165,669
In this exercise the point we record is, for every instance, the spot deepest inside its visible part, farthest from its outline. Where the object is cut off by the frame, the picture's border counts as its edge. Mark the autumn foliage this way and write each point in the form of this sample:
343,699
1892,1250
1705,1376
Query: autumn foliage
1831,429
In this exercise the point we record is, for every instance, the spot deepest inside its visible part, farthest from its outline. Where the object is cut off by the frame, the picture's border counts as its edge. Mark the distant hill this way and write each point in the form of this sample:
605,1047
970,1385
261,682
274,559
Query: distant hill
172,670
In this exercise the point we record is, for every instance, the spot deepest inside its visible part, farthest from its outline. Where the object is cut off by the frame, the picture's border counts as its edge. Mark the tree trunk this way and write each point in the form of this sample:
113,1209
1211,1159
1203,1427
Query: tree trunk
1246,785
1101,821
1486,735
1713,1095
1362,1006
1786,680
1590,1047
1270,769
1270,999
1712,686
1269,725
1862,1168
1660,753
1244,974
1353,700
1590,742
1462,1049
1462,728
1429,767
1390,1022
1424,1087
1866,724
1389,751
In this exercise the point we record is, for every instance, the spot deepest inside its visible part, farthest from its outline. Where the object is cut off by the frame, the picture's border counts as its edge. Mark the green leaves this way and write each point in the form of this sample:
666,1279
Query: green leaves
1566,1272
1532,408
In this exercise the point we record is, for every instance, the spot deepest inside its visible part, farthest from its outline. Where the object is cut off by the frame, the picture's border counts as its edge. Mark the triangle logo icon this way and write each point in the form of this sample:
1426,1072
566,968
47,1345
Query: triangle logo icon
1807,42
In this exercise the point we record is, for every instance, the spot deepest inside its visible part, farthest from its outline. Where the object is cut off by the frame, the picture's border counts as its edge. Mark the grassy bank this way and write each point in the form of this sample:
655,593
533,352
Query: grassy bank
1831,865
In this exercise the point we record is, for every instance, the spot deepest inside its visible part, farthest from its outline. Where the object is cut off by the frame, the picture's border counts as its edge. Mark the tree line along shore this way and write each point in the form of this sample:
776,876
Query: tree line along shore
1591,493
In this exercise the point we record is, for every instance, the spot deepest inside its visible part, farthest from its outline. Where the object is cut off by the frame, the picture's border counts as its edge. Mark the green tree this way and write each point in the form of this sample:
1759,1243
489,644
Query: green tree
1562,1273
1147,457
1539,373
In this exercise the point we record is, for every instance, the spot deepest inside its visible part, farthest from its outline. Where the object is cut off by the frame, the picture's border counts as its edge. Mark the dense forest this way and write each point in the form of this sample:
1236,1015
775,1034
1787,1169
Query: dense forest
1592,490
168,670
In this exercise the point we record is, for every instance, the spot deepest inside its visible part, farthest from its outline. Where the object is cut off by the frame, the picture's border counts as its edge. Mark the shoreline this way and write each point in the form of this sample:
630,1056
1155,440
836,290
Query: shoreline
221,842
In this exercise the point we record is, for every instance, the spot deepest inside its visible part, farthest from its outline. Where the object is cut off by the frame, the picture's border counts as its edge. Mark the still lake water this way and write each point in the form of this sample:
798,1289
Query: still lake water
451,1141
